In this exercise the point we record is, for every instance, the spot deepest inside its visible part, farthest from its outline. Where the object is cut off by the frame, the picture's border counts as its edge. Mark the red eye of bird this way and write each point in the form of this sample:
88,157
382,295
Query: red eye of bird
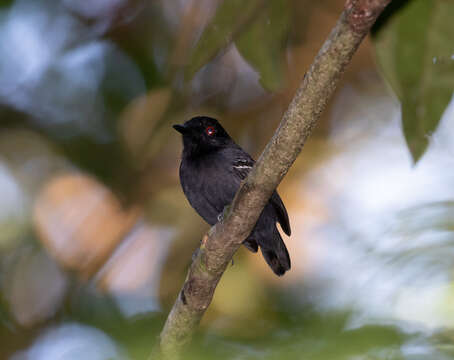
210,130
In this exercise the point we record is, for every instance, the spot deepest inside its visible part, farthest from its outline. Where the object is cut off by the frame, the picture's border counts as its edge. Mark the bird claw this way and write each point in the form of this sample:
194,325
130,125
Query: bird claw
195,253
223,214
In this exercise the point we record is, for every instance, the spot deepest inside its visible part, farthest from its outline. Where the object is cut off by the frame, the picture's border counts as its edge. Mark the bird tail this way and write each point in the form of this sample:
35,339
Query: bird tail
277,258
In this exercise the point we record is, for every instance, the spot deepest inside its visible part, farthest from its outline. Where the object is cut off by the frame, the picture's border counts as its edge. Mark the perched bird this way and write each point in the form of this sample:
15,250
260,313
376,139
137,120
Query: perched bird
211,170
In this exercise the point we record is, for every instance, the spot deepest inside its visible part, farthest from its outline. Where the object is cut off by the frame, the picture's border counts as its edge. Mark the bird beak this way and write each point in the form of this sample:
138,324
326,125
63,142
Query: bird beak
181,129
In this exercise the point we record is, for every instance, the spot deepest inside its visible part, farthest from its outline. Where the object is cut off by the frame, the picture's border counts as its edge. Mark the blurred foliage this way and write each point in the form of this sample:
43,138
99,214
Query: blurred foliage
415,51
259,30
262,44
230,19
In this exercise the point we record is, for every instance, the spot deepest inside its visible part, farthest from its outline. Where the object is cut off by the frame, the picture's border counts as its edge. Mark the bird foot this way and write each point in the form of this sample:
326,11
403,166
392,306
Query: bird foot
224,213
195,253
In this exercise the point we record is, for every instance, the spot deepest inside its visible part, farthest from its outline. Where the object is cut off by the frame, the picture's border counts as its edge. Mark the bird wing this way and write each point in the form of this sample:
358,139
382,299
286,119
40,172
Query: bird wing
241,167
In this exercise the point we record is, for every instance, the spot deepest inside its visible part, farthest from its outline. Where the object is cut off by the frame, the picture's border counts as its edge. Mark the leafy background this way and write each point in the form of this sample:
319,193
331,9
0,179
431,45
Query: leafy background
96,235
415,53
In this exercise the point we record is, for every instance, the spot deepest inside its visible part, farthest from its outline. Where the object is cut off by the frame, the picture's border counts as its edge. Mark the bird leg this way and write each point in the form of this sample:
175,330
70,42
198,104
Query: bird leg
224,213
195,253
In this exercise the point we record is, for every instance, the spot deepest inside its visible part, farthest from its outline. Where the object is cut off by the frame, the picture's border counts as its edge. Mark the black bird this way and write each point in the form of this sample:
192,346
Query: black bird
211,170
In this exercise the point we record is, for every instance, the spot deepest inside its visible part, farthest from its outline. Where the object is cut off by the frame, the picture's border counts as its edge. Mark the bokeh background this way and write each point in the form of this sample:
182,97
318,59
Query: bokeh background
96,234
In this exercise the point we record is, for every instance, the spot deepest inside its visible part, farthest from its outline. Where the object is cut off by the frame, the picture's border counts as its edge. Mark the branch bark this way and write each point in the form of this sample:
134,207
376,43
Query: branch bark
223,240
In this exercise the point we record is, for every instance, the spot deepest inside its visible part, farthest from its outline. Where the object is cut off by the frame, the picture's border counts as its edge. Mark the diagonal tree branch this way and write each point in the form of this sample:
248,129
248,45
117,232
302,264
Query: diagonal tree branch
223,240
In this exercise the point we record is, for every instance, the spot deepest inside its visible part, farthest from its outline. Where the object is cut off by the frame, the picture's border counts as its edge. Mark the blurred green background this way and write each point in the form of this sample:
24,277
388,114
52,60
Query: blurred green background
96,234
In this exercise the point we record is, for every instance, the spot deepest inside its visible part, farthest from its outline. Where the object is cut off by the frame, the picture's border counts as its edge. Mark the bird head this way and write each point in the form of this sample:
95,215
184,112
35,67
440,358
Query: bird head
202,134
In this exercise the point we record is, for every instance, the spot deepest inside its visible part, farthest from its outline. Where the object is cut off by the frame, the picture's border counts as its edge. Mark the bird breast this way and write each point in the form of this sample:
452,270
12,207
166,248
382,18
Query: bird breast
208,186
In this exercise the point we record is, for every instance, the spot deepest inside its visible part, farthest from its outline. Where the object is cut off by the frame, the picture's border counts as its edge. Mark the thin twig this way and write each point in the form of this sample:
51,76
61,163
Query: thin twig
223,240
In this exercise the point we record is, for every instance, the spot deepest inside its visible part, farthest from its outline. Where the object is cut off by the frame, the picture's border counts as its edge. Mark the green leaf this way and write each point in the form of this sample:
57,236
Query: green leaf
232,17
262,46
414,49
258,28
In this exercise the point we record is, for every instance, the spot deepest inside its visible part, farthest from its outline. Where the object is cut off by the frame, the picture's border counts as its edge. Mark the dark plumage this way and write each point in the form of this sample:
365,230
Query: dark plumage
211,170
